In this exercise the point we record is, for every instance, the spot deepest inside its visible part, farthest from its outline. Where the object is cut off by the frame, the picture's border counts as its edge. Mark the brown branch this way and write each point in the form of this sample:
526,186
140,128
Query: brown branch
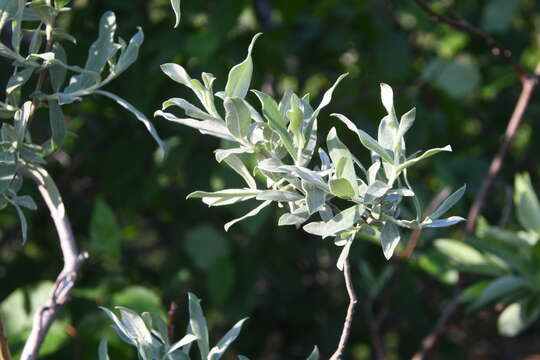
528,82
45,316
432,337
353,300
4,347
497,163
496,48
170,320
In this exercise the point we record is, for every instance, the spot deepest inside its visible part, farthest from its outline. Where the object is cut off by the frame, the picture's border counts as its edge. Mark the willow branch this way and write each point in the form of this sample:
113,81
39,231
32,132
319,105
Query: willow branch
497,163
347,325
496,48
431,339
528,82
45,316
4,347
170,320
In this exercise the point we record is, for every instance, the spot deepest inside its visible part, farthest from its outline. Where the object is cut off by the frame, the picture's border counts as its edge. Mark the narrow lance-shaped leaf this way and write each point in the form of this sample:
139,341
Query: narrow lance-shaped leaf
310,127
187,339
314,354
22,220
190,109
366,139
225,193
130,54
208,127
57,72
279,195
103,351
424,156
407,121
296,117
315,197
99,53
16,30
139,115
442,222
343,221
238,166
387,98
36,41
18,79
177,73
8,9
176,8
252,213
526,202
448,203
118,325
134,325
25,201
297,217
217,351
342,188
343,256
239,79
275,121
198,325
21,121
342,159
238,117
387,132
307,175
57,122
389,239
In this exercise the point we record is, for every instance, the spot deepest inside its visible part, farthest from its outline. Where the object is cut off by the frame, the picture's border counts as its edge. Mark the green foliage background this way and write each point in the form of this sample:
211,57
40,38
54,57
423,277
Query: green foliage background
149,245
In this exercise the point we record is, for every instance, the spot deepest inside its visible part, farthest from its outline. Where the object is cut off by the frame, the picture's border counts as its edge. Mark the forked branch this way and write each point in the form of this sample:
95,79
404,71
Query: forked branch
497,163
528,81
44,317
347,325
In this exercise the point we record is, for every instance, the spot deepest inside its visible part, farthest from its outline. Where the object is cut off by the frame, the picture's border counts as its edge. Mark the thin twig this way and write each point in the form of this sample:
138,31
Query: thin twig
170,320
496,48
44,317
432,337
374,324
353,300
496,164
4,347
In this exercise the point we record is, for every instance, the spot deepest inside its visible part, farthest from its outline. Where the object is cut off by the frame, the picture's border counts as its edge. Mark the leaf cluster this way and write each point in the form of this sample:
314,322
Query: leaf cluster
150,337
300,176
45,58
